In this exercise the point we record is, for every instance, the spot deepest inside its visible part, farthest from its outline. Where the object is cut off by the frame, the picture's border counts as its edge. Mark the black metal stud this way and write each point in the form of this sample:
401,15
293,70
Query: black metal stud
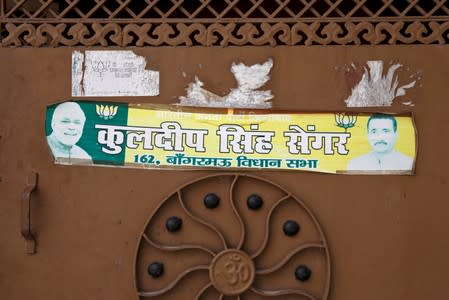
156,269
173,224
303,273
211,201
254,202
290,228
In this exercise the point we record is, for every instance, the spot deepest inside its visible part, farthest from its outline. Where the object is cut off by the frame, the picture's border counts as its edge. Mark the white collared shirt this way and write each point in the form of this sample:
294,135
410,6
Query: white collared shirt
393,161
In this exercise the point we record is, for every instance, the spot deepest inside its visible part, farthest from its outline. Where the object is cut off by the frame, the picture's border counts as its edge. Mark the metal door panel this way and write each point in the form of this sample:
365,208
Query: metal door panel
386,234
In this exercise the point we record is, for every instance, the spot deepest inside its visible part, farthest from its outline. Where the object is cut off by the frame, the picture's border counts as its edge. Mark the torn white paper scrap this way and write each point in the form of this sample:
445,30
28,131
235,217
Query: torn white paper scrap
249,79
375,89
197,96
77,73
246,95
112,73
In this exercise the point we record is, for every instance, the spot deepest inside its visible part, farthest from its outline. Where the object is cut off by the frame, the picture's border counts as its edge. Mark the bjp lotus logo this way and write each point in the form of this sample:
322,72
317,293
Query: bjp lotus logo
345,120
106,112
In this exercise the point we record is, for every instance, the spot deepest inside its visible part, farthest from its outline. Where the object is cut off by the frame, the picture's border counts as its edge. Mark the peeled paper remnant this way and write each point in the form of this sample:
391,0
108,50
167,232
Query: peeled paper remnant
112,73
246,95
375,88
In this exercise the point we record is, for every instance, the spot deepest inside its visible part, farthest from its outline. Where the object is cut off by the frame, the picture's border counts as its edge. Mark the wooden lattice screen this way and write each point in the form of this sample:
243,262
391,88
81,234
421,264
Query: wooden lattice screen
51,23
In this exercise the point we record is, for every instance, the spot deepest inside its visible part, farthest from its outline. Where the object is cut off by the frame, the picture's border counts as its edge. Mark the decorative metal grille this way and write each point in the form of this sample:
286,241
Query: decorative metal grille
215,237
222,22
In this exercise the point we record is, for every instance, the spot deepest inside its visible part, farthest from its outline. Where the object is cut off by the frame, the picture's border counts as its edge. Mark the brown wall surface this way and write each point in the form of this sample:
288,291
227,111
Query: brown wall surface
387,235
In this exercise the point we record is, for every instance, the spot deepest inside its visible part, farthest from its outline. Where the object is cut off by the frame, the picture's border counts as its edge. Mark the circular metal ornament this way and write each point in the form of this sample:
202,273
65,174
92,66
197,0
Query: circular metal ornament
291,228
303,273
156,269
173,224
254,202
211,201
231,245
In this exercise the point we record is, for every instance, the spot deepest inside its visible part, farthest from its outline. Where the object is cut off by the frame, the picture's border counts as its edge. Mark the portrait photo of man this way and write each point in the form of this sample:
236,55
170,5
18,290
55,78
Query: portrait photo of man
382,137
67,126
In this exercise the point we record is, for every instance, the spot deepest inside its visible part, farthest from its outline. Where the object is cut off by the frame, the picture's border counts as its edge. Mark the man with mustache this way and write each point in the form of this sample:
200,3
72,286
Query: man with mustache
382,136
67,128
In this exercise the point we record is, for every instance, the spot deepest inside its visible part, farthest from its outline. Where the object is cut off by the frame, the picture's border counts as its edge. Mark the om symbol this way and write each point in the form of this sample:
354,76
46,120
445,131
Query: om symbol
236,270
232,272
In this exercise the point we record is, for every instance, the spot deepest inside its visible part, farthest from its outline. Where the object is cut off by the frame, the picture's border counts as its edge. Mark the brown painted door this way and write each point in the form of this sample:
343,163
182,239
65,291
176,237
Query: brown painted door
383,237
99,231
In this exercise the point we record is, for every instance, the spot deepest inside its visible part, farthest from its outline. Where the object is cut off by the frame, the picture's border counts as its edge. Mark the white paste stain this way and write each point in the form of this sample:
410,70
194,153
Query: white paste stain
118,263
408,103
246,95
375,89
112,73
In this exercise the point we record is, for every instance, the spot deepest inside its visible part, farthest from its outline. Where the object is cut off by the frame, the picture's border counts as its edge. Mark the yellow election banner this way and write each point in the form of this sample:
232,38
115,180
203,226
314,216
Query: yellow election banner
155,136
